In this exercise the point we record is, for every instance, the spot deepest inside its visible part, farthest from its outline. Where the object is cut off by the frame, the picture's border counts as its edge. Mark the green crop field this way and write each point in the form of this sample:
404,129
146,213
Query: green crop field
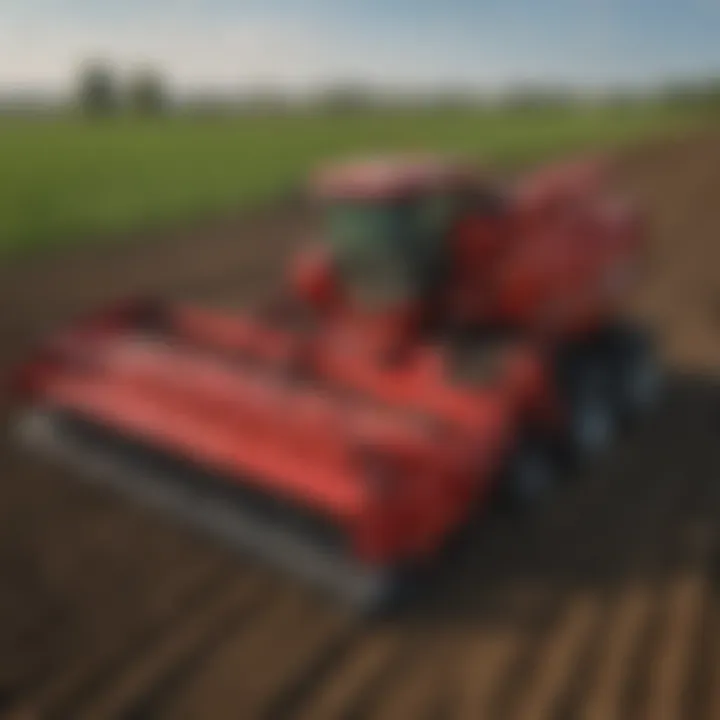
69,179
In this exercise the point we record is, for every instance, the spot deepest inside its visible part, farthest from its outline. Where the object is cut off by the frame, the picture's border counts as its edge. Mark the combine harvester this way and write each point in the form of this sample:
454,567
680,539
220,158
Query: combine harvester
447,342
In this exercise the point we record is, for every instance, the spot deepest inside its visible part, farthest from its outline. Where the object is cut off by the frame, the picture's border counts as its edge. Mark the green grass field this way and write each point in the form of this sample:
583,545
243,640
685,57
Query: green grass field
66,180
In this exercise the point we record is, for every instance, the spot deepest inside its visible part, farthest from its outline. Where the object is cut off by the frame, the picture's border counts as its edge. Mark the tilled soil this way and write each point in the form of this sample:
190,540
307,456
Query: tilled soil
603,604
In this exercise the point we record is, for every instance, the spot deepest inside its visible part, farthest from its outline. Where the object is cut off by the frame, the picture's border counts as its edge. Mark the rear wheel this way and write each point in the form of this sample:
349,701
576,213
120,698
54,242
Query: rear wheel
592,420
400,588
587,378
637,375
531,474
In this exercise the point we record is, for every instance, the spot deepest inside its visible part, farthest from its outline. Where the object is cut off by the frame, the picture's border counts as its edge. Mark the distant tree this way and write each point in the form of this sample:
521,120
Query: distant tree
348,97
146,92
529,96
97,89
263,100
690,91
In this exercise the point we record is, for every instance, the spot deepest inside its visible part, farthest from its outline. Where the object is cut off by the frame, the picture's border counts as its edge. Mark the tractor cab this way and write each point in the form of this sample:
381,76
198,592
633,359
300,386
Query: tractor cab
387,226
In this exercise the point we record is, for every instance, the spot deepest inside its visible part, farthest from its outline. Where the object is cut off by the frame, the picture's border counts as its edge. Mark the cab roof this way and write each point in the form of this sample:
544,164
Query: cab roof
390,177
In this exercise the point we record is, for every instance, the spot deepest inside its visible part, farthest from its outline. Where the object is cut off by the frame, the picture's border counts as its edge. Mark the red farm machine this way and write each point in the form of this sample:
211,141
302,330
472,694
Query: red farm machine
448,341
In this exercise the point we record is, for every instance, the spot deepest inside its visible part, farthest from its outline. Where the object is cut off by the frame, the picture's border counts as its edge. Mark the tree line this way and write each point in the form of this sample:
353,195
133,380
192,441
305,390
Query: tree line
102,92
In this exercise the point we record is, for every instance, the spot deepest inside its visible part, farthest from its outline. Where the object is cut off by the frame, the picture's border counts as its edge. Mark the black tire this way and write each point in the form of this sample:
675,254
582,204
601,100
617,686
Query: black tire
530,475
637,377
403,586
592,410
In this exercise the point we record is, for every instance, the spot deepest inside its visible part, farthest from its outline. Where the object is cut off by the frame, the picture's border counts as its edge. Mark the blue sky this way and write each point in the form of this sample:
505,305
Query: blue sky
300,43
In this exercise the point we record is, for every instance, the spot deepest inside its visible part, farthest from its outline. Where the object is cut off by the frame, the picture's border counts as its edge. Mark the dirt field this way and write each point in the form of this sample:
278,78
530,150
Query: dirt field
604,605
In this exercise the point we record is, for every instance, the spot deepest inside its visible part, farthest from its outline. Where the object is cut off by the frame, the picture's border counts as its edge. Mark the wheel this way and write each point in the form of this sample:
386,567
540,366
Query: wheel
401,587
530,476
592,410
637,375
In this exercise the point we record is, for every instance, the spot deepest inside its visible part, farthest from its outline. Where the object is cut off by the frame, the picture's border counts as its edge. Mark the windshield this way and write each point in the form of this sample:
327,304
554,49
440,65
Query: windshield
383,248
353,226
366,239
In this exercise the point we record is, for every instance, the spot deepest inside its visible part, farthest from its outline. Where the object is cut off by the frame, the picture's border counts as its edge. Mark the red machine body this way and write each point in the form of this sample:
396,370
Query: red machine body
364,418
